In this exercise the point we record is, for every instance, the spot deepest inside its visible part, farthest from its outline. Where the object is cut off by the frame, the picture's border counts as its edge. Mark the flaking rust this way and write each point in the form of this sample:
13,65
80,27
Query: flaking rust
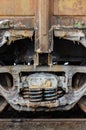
38,67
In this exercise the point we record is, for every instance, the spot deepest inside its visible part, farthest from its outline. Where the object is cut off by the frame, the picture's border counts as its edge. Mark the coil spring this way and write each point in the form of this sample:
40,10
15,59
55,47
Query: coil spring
32,95
50,94
38,95
25,92
35,95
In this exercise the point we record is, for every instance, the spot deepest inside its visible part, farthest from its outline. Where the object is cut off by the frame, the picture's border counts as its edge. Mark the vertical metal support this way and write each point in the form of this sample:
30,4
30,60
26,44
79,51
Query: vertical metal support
43,14
43,36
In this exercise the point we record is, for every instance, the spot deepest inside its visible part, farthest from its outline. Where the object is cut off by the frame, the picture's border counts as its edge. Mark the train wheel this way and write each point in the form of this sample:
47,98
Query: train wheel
80,80
5,81
82,103
3,103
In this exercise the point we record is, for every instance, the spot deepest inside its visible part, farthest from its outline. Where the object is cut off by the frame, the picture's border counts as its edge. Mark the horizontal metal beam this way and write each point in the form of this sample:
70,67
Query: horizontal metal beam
55,68
47,124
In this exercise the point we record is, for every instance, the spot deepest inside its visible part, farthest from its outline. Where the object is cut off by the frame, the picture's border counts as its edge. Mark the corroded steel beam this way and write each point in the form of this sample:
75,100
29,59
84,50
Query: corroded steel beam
43,15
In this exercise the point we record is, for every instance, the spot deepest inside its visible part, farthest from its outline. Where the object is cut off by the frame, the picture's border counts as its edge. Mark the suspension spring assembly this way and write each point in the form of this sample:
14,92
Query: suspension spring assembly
38,95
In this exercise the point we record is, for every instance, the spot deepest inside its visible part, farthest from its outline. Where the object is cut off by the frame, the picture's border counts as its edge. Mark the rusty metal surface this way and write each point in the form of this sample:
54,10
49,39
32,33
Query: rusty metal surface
43,25
72,7
68,20
43,43
71,34
13,35
17,7
43,124
42,15
69,98
34,15
17,23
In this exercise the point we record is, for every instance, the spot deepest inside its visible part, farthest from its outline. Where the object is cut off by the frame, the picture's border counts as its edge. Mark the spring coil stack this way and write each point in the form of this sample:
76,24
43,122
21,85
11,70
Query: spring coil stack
38,95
